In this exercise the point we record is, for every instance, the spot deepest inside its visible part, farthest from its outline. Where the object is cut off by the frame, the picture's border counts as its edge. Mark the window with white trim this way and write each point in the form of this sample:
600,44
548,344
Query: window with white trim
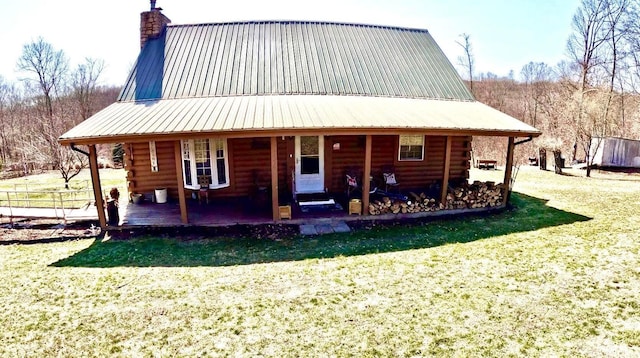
205,157
411,147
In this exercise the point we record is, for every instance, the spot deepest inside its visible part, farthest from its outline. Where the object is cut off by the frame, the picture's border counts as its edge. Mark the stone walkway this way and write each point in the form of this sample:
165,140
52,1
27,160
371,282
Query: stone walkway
324,226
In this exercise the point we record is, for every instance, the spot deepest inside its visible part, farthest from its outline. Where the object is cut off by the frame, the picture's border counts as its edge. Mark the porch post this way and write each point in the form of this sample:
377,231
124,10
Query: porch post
97,188
507,171
445,175
177,150
366,183
274,179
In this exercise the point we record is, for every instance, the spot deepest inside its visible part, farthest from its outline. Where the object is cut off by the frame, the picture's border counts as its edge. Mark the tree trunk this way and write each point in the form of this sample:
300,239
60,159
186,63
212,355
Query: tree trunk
557,157
543,159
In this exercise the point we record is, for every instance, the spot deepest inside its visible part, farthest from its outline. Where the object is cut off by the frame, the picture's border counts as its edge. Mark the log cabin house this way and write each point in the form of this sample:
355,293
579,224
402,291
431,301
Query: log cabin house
293,104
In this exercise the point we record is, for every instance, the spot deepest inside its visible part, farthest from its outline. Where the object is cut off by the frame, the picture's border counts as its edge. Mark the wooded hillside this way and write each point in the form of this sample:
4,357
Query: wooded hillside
592,93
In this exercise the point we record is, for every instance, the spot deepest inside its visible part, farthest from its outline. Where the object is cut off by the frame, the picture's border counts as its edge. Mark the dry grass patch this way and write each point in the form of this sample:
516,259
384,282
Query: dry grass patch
559,276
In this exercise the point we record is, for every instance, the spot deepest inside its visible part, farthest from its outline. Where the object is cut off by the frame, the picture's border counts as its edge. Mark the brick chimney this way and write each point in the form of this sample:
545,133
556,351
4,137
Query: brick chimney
152,23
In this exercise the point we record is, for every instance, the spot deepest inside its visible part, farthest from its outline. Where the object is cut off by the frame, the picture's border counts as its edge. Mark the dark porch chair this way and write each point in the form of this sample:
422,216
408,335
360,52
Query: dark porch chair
352,180
261,189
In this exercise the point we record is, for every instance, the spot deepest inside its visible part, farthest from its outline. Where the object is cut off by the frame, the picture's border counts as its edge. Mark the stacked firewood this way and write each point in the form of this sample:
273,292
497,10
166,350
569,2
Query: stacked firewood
467,196
476,195
415,204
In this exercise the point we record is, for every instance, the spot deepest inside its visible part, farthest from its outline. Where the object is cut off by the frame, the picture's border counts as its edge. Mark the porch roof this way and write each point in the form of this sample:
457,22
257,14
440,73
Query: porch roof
244,116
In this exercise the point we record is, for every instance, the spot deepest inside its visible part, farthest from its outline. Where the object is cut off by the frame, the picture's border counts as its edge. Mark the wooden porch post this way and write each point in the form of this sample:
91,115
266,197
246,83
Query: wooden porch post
366,183
445,175
275,204
507,171
177,149
97,188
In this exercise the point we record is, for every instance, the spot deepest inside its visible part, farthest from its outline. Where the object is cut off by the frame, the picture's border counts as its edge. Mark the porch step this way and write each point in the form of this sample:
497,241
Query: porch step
322,228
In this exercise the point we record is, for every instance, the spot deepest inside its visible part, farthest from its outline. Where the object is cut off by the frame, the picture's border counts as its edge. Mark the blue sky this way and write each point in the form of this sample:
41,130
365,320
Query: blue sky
505,34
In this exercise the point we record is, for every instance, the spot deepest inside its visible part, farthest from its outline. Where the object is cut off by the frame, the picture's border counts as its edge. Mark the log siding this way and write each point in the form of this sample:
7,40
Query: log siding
249,157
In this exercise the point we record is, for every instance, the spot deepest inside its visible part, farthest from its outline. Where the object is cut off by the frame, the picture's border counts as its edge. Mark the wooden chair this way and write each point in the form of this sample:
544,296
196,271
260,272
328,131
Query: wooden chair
203,191
389,178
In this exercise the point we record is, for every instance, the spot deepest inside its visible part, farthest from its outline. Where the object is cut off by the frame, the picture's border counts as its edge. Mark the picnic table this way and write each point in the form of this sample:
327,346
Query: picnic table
486,164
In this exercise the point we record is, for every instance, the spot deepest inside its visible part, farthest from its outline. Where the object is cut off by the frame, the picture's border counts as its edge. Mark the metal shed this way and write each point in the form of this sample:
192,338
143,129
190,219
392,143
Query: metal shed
615,152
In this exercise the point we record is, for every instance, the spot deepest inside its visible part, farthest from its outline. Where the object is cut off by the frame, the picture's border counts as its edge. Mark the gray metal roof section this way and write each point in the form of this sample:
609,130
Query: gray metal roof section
237,114
292,57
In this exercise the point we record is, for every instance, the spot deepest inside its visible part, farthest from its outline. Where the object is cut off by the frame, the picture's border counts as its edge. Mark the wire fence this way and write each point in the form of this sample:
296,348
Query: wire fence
67,199
56,199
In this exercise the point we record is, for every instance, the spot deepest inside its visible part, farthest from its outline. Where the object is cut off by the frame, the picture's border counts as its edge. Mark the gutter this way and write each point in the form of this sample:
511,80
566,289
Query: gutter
76,149
529,139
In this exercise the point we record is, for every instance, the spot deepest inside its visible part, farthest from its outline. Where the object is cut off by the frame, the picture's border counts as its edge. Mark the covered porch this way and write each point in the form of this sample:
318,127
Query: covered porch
167,215
184,208
354,136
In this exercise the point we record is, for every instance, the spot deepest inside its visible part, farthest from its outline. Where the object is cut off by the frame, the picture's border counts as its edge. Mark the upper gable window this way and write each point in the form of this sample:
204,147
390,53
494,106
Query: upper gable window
411,147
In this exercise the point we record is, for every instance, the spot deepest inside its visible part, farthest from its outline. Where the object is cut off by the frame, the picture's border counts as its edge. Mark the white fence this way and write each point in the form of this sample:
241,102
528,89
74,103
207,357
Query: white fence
58,204
66,199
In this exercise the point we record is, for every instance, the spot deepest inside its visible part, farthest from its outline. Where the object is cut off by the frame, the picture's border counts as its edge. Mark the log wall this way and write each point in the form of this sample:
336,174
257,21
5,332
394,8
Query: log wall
410,174
137,163
249,157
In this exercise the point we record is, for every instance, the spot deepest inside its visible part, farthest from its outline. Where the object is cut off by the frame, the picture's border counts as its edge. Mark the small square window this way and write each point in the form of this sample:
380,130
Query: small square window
411,147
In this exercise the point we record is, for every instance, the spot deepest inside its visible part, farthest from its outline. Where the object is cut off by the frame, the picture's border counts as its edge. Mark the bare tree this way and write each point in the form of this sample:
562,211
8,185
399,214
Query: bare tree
536,77
632,24
47,68
84,82
467,61
591,33
4,127
71,164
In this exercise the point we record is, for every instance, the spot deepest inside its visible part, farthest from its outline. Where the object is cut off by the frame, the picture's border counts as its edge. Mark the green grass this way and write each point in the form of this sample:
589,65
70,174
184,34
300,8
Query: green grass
557,276
43,189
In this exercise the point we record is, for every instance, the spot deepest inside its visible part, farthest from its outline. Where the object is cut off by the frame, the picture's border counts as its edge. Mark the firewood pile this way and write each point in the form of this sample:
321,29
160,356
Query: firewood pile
467,196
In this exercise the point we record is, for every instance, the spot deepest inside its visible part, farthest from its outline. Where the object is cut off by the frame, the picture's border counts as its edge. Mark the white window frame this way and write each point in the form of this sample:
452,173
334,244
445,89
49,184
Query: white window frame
400,159
189,154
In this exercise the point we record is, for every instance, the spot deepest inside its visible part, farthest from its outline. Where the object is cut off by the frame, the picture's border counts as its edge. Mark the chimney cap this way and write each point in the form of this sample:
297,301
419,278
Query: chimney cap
153,5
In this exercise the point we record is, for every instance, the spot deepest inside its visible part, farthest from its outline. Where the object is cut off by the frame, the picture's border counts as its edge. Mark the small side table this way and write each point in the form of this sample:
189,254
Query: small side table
355,206
284,212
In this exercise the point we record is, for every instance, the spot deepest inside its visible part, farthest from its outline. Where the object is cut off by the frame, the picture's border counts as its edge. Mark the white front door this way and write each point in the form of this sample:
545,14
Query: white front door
309,164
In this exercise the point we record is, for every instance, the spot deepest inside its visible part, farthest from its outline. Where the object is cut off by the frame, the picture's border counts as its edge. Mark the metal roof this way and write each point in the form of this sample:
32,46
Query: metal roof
292,57
289,114
286,77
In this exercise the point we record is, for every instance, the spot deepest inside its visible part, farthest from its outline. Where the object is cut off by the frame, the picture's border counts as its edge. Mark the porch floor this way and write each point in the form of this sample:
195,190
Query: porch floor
231,212
218,213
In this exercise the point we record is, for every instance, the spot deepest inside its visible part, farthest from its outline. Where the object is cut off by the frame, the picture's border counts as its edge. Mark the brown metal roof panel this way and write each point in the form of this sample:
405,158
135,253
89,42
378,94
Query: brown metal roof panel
242,113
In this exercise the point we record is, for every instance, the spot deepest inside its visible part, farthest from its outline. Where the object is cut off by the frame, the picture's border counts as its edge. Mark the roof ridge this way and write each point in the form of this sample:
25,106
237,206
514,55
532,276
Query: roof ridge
256,95
316,22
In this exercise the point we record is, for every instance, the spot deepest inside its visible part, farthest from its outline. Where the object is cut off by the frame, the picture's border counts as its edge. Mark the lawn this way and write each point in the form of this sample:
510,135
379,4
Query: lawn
556,276
42,190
